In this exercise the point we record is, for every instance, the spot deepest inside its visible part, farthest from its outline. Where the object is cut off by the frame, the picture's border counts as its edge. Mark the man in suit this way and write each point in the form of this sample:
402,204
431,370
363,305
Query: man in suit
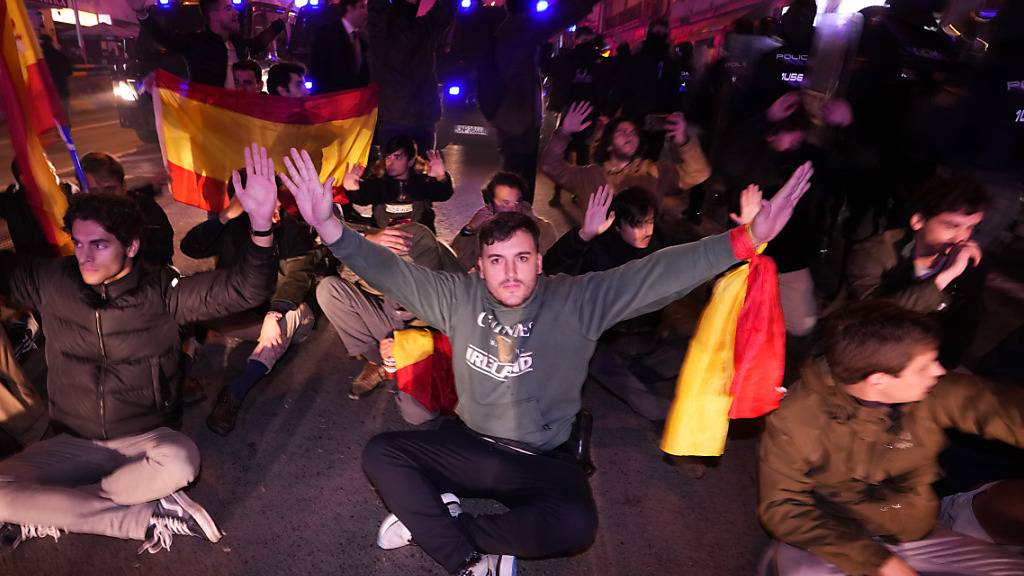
339,59
210,52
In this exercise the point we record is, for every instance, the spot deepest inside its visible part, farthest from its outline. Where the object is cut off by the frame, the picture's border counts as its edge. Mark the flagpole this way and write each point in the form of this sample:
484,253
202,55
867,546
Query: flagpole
65,135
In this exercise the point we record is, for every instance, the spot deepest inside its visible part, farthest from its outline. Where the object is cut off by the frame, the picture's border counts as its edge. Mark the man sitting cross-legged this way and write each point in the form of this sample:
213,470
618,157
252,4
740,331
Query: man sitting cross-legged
847,462
117,468
522,343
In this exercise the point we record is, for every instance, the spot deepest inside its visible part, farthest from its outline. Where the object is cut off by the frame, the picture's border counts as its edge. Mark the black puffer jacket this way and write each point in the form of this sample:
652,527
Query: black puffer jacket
112,351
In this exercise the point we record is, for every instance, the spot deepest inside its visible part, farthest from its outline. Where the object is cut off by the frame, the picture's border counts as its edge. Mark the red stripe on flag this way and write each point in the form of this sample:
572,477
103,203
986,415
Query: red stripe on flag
46,110
759,359
310,110
204,192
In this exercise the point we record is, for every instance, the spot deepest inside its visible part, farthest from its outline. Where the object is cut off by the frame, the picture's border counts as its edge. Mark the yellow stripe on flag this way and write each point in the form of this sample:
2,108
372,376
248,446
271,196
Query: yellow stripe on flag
412,345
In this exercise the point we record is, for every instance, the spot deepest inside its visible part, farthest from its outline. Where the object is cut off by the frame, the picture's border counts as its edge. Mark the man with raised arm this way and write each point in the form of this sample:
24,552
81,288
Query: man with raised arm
521,344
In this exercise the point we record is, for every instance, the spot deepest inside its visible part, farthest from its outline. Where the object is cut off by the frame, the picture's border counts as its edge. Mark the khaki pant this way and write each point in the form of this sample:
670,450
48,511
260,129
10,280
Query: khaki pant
96,486
22,412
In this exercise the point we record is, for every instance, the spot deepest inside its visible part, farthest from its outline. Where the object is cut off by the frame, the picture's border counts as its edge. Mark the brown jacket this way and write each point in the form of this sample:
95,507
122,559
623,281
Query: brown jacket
835,473
662,178
879,268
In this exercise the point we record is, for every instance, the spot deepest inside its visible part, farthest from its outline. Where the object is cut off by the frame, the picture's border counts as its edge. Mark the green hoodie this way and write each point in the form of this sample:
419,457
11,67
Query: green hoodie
519,371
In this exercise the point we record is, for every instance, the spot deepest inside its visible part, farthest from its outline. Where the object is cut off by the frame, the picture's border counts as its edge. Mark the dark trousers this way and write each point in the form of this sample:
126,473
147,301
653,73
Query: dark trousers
551,509
425,136
519,154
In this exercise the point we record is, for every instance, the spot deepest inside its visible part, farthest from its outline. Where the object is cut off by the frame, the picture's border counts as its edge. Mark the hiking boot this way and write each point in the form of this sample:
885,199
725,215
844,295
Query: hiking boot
222,418
192,391
178,514
371,377
393,533
492,565
12,535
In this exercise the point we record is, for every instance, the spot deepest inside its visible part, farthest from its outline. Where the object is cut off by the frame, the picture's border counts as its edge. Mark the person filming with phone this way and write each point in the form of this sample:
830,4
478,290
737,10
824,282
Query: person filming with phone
619,161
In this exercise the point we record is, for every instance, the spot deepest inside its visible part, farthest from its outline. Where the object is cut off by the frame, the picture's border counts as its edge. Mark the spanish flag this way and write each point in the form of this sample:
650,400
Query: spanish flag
204,129
34,114
734,366
424,361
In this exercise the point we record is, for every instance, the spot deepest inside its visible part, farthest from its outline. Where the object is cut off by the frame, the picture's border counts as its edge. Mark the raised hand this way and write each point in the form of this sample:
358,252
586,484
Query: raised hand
776,212
350,181
259,195
597,219
314,199
435,168
784,106
394,239
750,205
675,128
575,118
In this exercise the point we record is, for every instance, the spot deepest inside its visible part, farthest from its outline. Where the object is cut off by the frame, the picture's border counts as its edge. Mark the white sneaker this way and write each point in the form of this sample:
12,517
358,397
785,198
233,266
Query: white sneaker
393,533
493,565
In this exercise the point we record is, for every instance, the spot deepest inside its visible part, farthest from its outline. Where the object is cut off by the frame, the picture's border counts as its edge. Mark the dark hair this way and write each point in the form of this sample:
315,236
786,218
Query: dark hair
504,225
604,143
658,22
101,163
280,75
954,193
875,336
402,143
502,179
249,65
797,121
632,206
344,5
118,215
205,6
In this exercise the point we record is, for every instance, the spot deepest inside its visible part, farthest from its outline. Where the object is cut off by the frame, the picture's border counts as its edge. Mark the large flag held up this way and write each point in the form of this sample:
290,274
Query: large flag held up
735,363
34,114
203,130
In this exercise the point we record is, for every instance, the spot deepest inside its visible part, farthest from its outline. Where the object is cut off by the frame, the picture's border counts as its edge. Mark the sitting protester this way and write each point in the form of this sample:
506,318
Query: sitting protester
619,159
405,192
932,266
503,193
105,174
26,235
848,460
365,319
522,342
116,468
248,76
274,323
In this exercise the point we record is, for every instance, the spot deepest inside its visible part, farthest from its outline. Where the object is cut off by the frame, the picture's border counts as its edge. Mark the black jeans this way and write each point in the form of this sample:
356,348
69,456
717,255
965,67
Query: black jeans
519,154
551,509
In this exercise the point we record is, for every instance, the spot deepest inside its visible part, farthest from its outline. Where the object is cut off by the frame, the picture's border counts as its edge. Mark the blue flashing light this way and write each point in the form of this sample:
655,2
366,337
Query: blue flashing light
308,84
301,4
988,14
236,2
466,4
542,5
314,3
454,90
572,28
165,2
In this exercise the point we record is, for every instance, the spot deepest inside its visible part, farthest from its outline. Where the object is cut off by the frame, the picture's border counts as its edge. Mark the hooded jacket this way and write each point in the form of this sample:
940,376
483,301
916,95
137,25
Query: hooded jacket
112,351
839,476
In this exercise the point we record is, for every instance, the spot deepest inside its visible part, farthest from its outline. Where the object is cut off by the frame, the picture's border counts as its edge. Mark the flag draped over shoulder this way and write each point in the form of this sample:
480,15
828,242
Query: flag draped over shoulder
424,361
734,366
204,129
34,113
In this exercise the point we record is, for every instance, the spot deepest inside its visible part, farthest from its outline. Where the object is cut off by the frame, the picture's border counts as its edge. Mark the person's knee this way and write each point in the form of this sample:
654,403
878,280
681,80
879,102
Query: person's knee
379,455
327,292
577,524
179,457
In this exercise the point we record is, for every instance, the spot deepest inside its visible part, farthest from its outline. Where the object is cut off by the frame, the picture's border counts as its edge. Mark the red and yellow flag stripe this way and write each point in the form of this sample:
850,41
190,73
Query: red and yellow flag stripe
33,111
204,129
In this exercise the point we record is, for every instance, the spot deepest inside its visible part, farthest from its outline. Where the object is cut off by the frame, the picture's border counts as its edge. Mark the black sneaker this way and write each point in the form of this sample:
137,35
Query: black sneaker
222,419
178,514
12,535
